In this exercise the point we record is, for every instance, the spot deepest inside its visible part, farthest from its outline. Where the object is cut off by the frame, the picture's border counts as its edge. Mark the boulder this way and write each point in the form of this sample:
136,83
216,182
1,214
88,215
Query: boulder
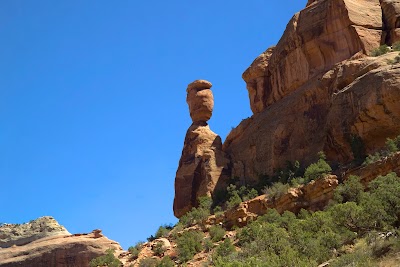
200,100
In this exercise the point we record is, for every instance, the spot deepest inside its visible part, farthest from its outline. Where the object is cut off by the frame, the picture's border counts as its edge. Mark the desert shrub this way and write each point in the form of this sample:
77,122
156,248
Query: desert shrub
148,262
350,190
106,260
159,248
197,215
208,245
189,244
359,258
317,170
396,60
217,233
166,262
396,46
391,146
381,50
163,231
372,158
238,195
386,190
276,190
224,249
135,250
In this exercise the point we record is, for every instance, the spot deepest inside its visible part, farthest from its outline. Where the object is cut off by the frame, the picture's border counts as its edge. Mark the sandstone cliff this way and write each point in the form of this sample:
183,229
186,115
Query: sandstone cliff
317,90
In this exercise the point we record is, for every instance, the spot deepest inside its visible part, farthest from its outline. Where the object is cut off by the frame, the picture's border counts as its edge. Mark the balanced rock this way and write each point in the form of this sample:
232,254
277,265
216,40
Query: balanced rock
203,165
200,100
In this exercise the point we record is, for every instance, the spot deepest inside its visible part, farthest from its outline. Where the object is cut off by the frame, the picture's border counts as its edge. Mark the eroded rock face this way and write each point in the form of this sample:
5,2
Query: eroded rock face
203,164
201,168
357,98
200,100
56,250
391,18
21,234
323,34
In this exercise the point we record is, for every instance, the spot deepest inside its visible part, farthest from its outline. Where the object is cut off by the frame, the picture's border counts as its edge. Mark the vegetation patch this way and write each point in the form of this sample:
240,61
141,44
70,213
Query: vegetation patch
106,260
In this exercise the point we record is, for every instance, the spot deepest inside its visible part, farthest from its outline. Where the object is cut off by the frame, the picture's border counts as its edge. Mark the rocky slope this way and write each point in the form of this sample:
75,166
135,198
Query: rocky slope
45,243
317,90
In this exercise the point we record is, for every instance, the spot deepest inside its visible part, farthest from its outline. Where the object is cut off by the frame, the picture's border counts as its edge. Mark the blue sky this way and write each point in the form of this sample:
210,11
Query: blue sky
92,102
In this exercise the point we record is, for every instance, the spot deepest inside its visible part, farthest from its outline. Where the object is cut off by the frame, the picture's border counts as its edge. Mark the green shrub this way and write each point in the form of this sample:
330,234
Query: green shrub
135,250
208,245
197,215
217,233
396,46
106,260
189,244
372,159
159,248
276,190
350,190
359,258
166,262
383,49
224,249
148,262
163,231
317,170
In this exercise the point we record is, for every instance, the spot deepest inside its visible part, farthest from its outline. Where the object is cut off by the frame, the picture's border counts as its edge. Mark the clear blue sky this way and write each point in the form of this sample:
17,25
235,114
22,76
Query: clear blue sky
92,102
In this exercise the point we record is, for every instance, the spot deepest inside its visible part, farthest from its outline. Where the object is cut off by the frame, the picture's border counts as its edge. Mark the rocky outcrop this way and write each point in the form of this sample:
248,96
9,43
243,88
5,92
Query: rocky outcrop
54,250
21,234
382,167
203,163
313,196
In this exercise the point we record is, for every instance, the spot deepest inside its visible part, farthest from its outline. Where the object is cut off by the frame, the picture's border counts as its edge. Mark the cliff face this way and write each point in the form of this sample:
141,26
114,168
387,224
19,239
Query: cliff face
319,90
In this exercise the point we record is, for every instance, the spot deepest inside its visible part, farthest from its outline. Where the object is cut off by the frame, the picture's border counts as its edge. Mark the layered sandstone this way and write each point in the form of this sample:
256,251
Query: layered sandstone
57,248
321,35
203,163
21,234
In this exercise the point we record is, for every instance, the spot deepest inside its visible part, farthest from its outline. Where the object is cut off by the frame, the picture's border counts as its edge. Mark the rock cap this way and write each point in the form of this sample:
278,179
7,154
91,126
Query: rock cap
199,85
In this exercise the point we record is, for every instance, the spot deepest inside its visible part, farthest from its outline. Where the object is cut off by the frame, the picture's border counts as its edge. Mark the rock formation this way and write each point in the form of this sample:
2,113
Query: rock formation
44,243
319,90
21,234
316,90
202,163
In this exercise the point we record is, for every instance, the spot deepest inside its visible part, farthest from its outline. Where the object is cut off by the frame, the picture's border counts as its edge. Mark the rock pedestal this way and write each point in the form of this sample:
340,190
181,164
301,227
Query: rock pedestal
203,164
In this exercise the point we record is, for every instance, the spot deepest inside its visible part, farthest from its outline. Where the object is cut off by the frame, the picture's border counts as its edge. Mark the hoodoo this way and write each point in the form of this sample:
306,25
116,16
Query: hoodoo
202,163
